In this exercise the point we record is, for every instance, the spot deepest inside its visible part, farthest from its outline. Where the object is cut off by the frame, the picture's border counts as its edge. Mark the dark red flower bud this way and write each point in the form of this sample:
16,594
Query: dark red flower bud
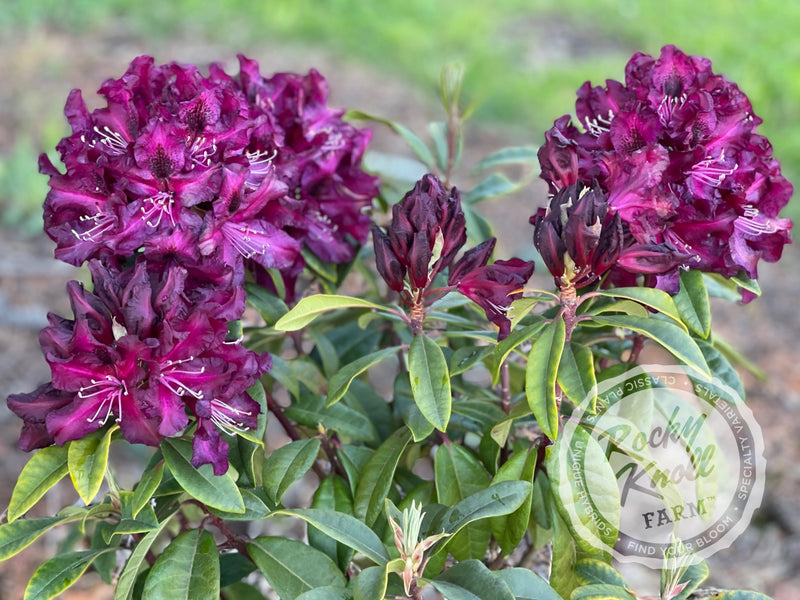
389,267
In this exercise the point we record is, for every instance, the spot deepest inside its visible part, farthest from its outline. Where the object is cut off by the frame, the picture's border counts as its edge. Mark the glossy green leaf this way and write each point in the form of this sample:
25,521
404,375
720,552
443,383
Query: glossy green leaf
414,142
267,304
430,381
370,584
404,404
591,570
585,490
656,299
602,591
692,302
494,185
724,371
242,591
293,568
343,528
136,562
87,459
20,534
44,469
507,345
515,155
743,281
509,530
497,500
341,380
576,375
57,574
562,565
332,494
216,491
377,475
540,376
670,336
255,508
310,410
146,487
502,429
466,357
187,568
738,595
438,131
471,580
288,464
329,592
309,308
527,585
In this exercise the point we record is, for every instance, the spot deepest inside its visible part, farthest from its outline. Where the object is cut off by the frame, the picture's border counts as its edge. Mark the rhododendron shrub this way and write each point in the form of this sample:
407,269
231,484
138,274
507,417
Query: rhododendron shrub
247,268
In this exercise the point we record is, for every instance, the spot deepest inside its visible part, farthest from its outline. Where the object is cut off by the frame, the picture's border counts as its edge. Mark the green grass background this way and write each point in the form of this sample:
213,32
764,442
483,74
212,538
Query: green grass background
524,59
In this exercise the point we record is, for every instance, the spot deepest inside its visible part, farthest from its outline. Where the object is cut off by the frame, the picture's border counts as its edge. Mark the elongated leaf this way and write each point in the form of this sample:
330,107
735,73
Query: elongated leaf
311,307
723,370
404,401
471,580
332,494
340,382
656,299
466,357
255,508
329,592
376,476
414,142
585,491
430,381
497,500
22,533
510,529
136,560
670,336
494,185
187,568
371,584
42,471
739,595
60,572
345,529
540,376
525,155
592,570
693,304
576,375
216,491
438,131
690,580
527,585
87,459
505,347
268,305
146,487
293,568
288,464
601,591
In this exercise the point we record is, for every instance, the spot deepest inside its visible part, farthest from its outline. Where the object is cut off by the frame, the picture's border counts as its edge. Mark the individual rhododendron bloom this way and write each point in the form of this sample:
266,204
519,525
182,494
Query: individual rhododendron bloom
141,352
246,170
676,152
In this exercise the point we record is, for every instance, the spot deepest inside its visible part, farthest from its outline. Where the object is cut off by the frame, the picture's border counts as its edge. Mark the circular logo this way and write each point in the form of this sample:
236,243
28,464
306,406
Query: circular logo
661,463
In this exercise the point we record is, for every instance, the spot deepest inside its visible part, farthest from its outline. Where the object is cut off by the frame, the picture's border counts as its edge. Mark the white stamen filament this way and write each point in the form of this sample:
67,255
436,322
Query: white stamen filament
748,225
160,204
599,124
201,152
223,415
169,380
102,223
113,390
115,143
244,243
668,106
712,171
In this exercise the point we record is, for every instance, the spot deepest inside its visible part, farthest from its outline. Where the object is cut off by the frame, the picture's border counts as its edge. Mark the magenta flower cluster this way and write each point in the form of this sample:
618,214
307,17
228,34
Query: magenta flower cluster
172,191
675,154
427,231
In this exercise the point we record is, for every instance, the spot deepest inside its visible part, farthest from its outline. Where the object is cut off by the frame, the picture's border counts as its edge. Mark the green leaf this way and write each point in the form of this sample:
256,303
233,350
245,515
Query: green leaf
371,584
340,382
20,534
724,371
329,592
562,573
738,595
42,471
585,490
438,131
576,375
343,528
471,580
670,336
497,500
138,558
254,508
332,494
515,155
540,376
404,402
376,476
527,585
414,142
602,591
510,529
494,185
187,568
310,410
743,281
293,568
146,487
267,304
215,491
466,357
311,307
690,579
430,381
693,304
288,464
504,348
60,572
87,459
656,299
592,570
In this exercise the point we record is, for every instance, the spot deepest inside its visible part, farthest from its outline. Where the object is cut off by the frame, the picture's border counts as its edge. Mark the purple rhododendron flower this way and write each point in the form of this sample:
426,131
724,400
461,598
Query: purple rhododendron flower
245,170
675,151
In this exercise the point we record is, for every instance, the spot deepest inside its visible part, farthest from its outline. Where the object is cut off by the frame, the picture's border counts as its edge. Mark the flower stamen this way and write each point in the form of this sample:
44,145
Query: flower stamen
224,416
113,390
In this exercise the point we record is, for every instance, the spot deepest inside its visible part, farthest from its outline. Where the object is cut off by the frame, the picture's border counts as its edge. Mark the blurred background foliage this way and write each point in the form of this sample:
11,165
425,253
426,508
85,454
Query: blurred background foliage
524,59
